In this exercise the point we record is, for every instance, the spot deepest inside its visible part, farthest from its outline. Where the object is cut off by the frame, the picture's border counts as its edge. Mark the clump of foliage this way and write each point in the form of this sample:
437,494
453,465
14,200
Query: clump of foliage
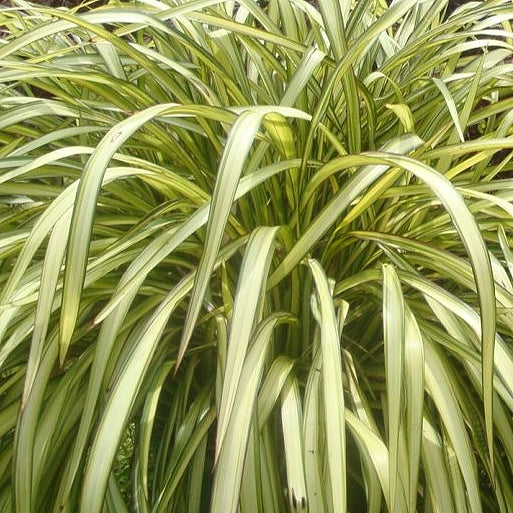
256,257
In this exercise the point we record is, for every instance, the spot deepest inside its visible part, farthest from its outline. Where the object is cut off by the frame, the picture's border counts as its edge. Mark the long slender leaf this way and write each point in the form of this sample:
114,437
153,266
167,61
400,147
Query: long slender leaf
333,392
246,314
394,331
225,494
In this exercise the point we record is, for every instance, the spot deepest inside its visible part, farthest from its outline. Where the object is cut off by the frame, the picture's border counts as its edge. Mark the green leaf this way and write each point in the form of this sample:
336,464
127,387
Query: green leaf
394,334
438,384
238,145
336,206
247,310
228,471
122,397
332,387
272,387
291,419
453,111
83,216
438,483
121,402
373,449
403,112
50,274
312,430
414,380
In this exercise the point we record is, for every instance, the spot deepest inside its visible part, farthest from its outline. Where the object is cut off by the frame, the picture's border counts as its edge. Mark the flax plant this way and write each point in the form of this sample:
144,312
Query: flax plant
256,257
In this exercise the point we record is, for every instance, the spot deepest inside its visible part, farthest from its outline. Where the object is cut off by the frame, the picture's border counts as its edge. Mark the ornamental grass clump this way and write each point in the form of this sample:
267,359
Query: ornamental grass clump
256,257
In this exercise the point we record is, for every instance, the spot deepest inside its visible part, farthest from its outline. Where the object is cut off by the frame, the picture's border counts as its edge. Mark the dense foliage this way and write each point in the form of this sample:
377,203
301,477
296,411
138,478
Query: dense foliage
255,257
